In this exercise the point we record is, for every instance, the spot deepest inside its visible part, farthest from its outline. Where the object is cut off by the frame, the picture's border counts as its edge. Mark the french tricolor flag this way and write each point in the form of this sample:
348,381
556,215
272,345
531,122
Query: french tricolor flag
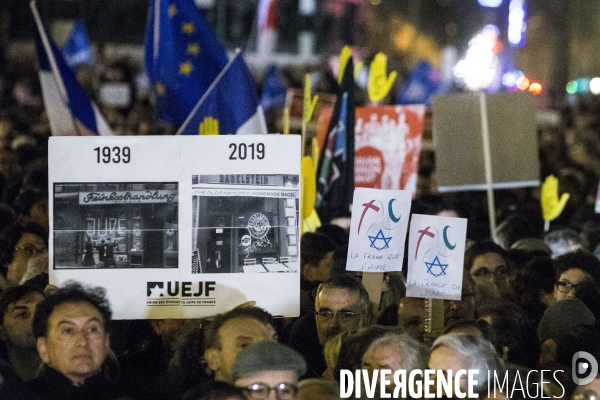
267,27
70,110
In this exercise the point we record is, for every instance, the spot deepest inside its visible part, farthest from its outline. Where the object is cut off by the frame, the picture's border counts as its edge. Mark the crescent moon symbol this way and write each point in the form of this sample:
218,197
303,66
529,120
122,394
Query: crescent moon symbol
391,212
448,245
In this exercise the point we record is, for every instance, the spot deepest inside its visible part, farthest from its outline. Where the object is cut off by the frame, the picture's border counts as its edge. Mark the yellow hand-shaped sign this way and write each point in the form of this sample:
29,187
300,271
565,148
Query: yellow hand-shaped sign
209,126
379,83
309,188
551,205
344,57
309,103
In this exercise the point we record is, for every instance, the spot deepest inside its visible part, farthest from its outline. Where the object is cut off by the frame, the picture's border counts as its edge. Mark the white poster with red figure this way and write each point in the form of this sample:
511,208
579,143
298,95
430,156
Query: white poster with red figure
388,145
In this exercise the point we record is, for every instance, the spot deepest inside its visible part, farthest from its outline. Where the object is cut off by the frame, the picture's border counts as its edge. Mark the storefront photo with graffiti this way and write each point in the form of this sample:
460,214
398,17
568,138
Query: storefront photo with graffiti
116,225
245,223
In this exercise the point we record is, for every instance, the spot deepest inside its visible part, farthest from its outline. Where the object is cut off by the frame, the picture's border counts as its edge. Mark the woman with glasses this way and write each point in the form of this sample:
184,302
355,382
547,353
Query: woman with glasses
18,245
574,270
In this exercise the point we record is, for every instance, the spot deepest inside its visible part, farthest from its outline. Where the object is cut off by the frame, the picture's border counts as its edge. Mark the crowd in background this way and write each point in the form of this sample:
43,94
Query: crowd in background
530,301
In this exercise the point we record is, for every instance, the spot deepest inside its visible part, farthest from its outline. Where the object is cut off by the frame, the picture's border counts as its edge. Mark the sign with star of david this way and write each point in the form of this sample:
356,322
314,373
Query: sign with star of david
436,249
378,230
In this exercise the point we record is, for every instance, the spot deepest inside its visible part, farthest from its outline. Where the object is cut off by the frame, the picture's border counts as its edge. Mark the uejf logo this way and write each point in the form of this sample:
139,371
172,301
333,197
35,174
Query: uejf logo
584,368
182,289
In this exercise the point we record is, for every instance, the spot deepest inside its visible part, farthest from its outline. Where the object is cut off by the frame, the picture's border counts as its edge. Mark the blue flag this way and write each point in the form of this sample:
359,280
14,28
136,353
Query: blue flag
422,83
69,108
230,106
77,48
182,56
274,90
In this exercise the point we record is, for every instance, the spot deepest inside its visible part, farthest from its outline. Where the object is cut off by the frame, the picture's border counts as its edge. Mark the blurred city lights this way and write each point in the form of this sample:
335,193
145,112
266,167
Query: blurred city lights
479,66
490,3
572,87
535,88
595,85
516,23
523,82
509,79
583,85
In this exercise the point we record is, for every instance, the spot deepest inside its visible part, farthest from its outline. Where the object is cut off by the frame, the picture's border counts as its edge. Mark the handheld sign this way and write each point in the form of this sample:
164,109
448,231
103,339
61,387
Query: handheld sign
378,230
379,82
552,206
436,249
178,227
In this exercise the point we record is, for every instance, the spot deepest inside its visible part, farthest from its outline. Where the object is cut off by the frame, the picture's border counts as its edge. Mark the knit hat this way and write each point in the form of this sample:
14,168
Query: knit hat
562,317
267,356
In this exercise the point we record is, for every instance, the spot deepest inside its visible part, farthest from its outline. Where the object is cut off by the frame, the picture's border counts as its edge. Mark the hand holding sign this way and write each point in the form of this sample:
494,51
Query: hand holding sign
379,83
309,103
552,207
209,126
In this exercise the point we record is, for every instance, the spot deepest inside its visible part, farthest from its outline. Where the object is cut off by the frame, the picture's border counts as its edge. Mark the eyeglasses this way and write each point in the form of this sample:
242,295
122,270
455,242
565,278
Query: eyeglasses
259,391
30,250
343,316
501,272
565,287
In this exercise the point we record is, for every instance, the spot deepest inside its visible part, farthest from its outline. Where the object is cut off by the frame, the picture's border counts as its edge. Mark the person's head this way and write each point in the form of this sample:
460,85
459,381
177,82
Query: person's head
18,245
341,304
268,370
515,337
572,269
487,264
395,351
321,389
316,256
411,317
469,352
167,329
463,309
227,334
533,286
220,391
17,307
72,327
31,206
563,241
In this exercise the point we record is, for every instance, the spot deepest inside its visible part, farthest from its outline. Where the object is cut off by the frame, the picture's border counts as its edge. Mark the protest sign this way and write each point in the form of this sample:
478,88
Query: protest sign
178,227
388,145
378,230
436,248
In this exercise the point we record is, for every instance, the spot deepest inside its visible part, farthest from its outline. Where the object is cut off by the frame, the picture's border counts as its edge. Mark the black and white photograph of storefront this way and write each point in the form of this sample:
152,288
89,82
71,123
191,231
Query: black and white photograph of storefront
245,223
116,225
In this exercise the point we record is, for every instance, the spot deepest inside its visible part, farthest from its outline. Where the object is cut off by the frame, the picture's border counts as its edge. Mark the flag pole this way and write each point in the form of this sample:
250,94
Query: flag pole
60,84
205,95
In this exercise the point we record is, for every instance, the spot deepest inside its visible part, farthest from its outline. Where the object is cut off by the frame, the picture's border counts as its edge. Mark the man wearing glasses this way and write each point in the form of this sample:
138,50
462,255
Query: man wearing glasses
341,305
268,370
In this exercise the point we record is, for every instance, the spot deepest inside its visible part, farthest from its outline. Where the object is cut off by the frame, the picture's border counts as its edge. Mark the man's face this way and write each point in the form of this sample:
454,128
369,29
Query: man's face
76,343
16,328
572,276
336,301
411,317
490,270
463,309
266,383
234,335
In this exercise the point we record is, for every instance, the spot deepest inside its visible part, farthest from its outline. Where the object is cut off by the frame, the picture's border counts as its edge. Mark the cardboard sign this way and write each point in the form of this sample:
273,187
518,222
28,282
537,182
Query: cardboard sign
378,230
177,227
388,145
436,249
458,142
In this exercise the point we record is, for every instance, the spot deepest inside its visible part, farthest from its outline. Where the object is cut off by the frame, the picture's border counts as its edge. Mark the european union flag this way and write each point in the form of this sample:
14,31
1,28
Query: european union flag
182,56
422,83
274,90
77,48
230,106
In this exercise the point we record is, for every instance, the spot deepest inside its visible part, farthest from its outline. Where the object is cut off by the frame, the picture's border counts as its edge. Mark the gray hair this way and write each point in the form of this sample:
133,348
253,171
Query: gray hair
413,354
479,353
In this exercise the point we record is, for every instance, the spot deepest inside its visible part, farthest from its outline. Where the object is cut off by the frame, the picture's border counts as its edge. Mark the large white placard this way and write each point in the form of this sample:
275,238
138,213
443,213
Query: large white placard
436,249
378,230
179,226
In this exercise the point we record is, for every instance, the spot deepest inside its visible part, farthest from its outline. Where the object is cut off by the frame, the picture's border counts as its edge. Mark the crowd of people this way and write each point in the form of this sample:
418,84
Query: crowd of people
530,299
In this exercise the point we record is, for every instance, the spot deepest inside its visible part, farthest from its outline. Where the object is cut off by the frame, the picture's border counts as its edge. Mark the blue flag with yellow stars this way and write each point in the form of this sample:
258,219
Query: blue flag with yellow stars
182,57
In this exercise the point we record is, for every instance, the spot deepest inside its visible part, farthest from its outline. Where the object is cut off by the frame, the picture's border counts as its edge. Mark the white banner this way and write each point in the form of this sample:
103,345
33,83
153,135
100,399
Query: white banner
178,227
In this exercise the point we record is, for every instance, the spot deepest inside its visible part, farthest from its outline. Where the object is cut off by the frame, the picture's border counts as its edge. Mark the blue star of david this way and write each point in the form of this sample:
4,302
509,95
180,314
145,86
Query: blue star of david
376,238
440,267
